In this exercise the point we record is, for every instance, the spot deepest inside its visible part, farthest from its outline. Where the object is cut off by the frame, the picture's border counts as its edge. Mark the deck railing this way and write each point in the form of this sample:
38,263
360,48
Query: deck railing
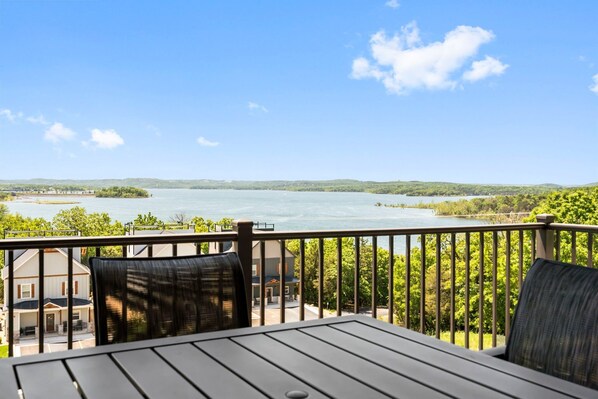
432,279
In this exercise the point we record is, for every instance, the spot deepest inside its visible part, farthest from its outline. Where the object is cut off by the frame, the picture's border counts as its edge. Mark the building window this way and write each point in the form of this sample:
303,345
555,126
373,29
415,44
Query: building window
286,268
65,288
26,291
254,270
76,315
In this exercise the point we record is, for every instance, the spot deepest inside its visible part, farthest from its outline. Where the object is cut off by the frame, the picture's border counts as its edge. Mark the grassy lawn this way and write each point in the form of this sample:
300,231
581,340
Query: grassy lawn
460,338
473,339
3,351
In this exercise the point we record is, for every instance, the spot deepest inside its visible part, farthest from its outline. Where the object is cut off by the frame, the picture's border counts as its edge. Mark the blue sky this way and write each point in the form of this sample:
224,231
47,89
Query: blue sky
462,91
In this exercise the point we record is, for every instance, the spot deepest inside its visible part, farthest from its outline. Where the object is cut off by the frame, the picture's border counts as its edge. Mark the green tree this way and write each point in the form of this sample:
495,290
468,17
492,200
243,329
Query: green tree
121,192
90,225
147,219
330,251
579,206
3,211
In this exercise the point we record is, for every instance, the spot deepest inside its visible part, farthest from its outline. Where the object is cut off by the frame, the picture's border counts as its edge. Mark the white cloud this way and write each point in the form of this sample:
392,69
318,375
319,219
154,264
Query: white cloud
106,139
202,141
482,69
594,86
9,115
17,116
37,120
403,63
58,132
392,3
255,106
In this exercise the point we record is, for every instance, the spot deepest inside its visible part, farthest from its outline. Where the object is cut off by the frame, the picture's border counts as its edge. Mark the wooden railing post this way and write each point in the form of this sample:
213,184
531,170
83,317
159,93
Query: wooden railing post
545,237
243,247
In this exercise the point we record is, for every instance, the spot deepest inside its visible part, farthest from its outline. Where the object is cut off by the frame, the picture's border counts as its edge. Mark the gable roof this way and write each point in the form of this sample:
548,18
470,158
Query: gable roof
29,254
288,254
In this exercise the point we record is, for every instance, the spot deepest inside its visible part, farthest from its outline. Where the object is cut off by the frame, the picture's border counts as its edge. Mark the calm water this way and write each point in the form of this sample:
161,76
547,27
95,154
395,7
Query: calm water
287,210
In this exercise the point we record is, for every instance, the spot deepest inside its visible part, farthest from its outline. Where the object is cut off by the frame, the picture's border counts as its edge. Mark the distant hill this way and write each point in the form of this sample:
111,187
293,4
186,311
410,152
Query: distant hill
412,188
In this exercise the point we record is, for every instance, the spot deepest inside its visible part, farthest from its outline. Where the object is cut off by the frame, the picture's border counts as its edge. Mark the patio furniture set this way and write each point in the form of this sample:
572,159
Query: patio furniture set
179,327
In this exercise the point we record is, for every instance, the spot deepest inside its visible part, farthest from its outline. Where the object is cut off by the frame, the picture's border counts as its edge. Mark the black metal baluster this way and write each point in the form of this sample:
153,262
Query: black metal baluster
453,268
321,278
391,266
11,303
422,296
262,271
508,284
301,279
494,285
533,245
438,283
40,300
374,277
282,280
573,247
590,249
467,279
339,276
69,312
407,281
481,296
520,271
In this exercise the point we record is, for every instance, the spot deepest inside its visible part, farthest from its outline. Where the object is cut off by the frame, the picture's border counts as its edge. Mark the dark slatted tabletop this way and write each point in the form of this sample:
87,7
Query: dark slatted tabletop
347,357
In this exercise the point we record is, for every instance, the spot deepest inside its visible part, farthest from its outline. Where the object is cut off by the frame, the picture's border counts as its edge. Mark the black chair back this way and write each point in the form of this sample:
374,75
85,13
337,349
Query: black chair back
146,298
555,326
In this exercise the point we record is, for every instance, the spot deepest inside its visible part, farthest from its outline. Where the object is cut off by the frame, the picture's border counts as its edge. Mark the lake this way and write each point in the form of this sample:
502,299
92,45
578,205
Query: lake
288,210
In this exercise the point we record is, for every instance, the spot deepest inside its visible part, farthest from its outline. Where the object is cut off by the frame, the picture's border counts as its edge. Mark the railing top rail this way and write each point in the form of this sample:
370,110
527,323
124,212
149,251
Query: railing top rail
72,242
583,228
66,242
278,235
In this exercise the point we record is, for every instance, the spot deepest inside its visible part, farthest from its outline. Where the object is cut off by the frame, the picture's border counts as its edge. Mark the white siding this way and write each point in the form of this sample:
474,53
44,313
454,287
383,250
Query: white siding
55,270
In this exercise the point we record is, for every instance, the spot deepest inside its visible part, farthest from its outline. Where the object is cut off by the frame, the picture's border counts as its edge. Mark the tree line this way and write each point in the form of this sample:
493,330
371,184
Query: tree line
412,188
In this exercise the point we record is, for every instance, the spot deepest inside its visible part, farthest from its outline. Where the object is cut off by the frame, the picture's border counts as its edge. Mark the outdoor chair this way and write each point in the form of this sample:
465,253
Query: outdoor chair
78,326
555,326
146,298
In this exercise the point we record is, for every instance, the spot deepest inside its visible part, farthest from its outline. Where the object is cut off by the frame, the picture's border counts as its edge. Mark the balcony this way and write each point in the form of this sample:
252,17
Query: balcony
448,282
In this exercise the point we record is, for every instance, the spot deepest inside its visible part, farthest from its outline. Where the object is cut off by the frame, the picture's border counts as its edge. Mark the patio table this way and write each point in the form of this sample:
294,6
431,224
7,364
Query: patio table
341,357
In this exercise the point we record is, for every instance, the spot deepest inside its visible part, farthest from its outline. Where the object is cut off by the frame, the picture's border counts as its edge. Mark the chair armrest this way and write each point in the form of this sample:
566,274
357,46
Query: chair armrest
498,352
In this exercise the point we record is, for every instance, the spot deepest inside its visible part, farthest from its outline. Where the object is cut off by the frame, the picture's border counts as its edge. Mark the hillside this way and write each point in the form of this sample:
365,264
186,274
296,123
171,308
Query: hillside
412,188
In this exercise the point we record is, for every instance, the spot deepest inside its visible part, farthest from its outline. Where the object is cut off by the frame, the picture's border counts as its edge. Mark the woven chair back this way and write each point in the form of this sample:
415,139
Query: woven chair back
146,298
555,326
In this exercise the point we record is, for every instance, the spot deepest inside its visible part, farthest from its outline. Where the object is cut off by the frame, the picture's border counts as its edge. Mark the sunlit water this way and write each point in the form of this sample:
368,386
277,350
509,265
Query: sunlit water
286,209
